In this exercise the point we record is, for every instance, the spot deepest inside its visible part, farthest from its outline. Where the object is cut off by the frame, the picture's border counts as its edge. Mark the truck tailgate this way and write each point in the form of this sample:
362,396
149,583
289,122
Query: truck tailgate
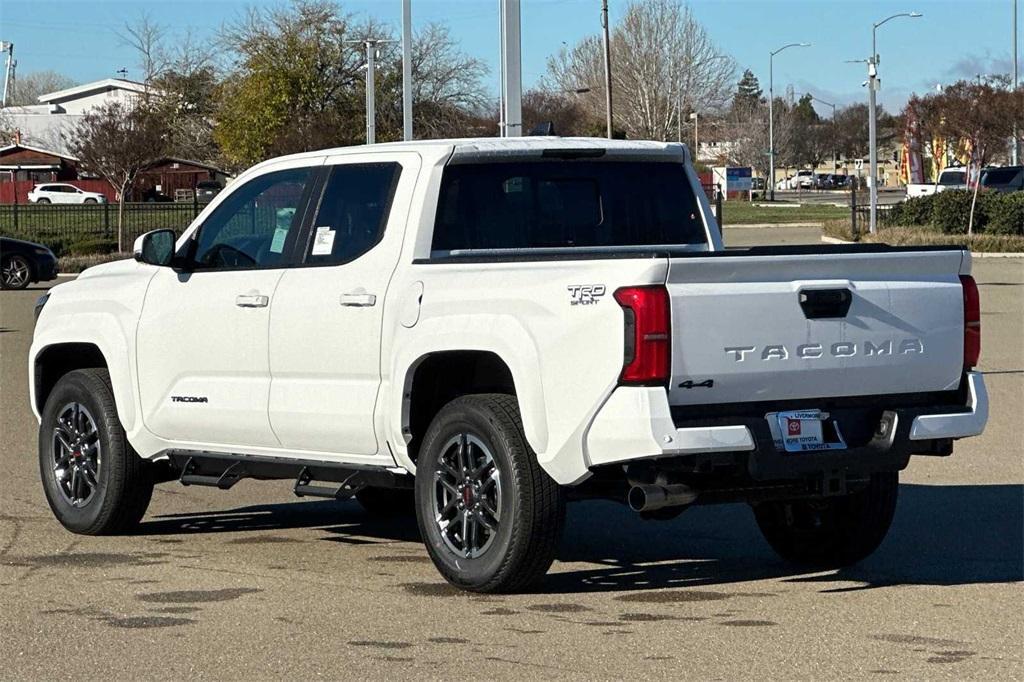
814,323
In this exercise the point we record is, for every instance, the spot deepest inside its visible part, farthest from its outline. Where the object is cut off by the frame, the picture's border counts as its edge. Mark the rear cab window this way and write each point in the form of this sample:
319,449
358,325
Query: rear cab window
566,204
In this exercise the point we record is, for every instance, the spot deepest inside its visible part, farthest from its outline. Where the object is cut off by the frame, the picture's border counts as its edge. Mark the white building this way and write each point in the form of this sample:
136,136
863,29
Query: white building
48,123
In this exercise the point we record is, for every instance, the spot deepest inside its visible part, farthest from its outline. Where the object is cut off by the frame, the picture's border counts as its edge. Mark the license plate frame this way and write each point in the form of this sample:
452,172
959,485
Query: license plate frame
796,431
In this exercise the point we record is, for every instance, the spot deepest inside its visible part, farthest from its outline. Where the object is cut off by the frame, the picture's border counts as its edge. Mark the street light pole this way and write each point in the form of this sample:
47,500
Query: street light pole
406,70
693,117
771,116
1016,142
873,85
607,67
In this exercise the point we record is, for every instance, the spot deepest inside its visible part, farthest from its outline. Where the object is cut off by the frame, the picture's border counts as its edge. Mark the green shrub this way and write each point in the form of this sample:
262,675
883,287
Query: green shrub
1004,213
917,211
91,246
951,212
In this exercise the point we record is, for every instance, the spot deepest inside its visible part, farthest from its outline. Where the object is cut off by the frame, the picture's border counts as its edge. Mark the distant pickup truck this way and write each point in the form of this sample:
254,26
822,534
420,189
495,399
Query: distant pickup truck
951,178
485,329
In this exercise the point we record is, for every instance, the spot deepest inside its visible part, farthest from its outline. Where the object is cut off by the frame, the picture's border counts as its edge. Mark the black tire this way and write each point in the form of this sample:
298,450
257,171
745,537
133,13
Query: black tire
831,532
16,272
531,505
42,201
123,483
387,502
89,201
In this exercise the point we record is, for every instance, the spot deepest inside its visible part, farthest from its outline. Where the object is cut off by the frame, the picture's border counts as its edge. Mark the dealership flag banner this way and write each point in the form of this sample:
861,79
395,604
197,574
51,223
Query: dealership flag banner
912,170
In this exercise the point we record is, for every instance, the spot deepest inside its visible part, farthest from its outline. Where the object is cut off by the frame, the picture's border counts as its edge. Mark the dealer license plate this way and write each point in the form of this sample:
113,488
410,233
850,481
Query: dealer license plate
805,431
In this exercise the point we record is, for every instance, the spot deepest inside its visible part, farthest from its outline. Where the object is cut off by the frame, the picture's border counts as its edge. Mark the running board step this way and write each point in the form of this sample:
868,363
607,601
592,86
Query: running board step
312,478
227,478
304,486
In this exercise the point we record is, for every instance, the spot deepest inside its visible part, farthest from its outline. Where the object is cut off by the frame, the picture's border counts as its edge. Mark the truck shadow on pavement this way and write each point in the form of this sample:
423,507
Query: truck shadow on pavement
942,535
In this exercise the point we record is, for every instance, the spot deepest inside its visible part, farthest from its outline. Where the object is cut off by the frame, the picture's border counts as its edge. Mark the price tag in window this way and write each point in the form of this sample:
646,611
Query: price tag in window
277,244
323,241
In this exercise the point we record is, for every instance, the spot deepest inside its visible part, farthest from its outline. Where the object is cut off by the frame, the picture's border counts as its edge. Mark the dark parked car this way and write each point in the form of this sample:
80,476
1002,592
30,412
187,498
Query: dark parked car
207,190
22,263
1005,179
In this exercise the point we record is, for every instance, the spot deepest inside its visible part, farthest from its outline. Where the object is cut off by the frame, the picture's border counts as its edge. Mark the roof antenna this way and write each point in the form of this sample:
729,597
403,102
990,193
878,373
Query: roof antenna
123,73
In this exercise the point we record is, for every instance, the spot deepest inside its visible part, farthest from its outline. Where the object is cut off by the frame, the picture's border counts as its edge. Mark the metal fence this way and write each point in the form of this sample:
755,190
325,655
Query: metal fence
59,226
860,213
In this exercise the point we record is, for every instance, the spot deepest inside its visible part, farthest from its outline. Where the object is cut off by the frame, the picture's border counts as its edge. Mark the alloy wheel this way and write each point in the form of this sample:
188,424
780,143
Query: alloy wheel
466,496
77,454
15,272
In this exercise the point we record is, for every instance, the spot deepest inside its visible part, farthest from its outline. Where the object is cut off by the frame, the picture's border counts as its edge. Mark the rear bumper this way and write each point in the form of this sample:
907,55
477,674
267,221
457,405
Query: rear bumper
636,423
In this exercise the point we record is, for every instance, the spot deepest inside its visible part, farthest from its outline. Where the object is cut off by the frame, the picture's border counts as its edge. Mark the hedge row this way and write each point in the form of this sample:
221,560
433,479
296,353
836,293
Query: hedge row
949,212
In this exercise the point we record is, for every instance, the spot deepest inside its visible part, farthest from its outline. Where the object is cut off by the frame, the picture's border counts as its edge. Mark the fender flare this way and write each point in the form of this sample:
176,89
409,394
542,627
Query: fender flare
503,337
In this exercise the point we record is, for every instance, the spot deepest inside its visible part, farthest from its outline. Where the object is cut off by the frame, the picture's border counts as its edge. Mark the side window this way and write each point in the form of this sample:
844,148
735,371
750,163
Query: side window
256,225
353,212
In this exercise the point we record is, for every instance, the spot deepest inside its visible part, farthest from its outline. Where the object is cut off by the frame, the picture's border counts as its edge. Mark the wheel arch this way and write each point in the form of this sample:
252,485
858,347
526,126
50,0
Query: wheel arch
438,377
54,360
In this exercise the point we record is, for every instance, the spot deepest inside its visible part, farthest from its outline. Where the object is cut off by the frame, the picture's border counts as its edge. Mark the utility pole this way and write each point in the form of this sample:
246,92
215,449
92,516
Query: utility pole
771,116
693,117
8,71
406,70
873,86
511,121
607,67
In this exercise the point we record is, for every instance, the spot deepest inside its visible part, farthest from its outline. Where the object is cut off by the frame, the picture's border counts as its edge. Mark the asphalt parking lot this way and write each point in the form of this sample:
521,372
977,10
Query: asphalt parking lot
254,583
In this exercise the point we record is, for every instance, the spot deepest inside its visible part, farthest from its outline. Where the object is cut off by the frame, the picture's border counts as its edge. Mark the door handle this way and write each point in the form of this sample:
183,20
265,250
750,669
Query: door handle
252,301
362,300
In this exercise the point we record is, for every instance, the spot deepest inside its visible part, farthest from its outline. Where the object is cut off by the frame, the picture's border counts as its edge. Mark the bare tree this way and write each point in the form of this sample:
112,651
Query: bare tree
147,37
665,65
117,142
29,87
746,127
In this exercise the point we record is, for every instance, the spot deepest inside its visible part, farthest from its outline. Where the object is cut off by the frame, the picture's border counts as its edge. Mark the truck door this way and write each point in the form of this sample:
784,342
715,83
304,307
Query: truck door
326,317
204,374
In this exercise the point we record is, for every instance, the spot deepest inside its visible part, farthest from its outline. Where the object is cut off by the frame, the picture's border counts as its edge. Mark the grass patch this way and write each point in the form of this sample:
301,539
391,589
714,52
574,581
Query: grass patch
745,213
918,236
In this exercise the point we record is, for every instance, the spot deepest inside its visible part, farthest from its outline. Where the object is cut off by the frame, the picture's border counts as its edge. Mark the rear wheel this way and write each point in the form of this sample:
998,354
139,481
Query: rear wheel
90,200
94,482
15,272
834,531
491,518
43,200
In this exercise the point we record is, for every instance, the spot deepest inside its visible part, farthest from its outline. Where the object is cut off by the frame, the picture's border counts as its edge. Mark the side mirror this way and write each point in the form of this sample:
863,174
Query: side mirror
155,248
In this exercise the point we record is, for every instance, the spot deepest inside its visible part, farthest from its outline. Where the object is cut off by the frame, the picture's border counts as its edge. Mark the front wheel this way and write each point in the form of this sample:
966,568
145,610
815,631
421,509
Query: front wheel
94,482
831,532
15,273
491,518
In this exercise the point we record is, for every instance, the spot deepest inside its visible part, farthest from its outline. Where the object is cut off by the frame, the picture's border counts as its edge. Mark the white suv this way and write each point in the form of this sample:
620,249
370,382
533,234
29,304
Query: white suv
62,193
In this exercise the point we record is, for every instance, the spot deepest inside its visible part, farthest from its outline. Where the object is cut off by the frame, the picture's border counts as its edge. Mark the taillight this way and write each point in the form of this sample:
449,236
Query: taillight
648,339
972,321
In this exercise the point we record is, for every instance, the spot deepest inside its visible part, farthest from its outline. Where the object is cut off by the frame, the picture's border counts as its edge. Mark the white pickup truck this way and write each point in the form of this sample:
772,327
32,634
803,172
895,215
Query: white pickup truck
951,178
487,328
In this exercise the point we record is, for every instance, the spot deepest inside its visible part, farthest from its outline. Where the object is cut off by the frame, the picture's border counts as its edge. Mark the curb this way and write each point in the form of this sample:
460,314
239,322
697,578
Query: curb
768,225
974,254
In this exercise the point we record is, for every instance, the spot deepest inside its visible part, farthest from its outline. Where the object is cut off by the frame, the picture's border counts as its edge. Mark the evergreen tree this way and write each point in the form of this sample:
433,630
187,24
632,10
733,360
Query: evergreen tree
748,92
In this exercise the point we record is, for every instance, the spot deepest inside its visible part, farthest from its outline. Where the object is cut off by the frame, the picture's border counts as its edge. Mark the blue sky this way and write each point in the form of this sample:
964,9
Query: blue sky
954,39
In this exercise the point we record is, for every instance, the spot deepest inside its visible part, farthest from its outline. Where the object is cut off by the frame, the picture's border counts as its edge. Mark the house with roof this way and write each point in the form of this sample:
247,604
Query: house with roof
47,124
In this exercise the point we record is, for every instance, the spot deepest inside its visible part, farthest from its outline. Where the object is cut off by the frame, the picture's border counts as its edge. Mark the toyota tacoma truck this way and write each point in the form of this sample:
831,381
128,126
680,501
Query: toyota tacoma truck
486,329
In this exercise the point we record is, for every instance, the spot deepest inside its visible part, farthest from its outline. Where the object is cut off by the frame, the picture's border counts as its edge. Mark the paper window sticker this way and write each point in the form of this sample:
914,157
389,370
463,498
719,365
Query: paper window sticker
277,245
323,241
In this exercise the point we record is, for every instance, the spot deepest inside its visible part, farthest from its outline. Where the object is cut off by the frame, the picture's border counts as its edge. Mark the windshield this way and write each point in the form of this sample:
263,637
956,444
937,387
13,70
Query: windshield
951,178
558,204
